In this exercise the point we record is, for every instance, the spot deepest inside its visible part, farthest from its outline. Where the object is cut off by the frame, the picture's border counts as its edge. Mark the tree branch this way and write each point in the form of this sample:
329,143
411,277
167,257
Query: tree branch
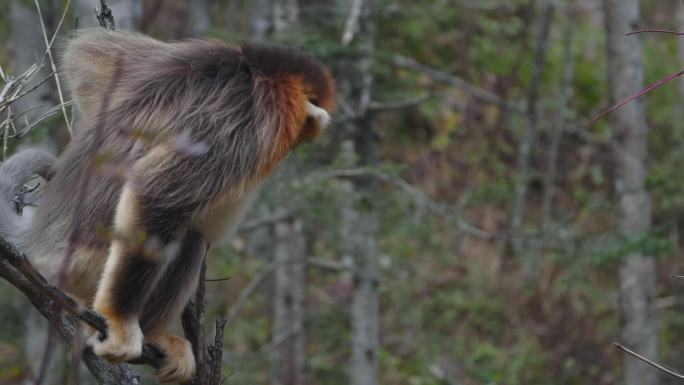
455,81
656,365
18,271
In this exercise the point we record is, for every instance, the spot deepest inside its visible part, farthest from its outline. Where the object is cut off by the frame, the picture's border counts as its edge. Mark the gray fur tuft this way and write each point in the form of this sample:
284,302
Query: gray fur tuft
14,173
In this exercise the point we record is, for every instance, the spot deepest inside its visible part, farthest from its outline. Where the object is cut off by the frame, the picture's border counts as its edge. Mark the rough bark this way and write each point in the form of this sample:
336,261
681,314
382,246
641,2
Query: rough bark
288,358
208,358
637,271
359,221
365,301
15,269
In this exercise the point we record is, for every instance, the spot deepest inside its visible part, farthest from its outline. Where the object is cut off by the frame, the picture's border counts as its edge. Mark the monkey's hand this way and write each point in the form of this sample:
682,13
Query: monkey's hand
179,362
123,341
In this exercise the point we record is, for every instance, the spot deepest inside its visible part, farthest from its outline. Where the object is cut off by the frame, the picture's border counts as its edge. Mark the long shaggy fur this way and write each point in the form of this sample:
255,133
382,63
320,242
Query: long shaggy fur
184,133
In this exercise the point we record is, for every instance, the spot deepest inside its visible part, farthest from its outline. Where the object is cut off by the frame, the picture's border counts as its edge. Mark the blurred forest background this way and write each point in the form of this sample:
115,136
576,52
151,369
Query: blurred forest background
459,223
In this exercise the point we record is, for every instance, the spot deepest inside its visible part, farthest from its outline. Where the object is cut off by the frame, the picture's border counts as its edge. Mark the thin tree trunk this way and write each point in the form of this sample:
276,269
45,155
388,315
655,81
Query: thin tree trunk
359,220
637,271
679,21
559,123
366,301
288,360
530,131
260,16
199,9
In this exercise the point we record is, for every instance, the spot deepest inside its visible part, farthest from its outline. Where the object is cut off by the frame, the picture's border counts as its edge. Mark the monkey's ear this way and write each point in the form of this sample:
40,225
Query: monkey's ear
320,115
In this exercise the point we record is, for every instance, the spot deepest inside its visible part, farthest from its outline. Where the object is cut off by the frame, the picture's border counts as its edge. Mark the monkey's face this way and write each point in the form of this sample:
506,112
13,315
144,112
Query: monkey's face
319,91
317,120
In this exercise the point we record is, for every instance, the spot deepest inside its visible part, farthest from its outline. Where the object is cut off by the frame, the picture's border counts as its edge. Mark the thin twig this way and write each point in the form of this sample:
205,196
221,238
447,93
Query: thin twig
655,31
52,62
636,96
45,115
400,104
455,81
24,93
656,365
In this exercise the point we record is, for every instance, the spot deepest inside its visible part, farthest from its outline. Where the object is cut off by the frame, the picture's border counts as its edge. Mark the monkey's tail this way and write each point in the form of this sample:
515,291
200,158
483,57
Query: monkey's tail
14,173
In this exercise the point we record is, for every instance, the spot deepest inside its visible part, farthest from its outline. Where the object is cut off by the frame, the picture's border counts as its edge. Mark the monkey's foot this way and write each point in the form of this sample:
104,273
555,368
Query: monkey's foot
123,342
179,362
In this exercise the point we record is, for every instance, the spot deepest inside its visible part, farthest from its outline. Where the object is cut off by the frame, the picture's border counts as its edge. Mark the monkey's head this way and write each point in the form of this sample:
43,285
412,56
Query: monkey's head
305,88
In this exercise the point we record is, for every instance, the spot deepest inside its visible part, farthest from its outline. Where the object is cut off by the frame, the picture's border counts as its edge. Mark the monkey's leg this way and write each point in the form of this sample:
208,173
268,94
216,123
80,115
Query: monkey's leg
139,254
167,301
179,362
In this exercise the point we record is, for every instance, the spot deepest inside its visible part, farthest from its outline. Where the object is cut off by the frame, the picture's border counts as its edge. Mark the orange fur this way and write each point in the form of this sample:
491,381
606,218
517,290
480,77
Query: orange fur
289,96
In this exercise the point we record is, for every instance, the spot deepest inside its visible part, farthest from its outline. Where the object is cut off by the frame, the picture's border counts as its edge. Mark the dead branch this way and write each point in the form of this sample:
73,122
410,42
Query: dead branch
104,16
208,359
48,45
656,365
455,81
18,271
375,106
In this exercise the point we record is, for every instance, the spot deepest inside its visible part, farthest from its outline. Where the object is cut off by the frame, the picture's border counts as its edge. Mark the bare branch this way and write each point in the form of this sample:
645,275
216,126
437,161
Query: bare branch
332,266
104,16
455,81
261,222
18,271
48,44
656,365
399,105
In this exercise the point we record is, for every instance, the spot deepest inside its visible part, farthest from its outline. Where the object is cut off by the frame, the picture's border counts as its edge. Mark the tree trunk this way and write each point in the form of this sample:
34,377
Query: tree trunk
558,125
545,11
359,220
637,271
260,16
199,9
288,361
365,302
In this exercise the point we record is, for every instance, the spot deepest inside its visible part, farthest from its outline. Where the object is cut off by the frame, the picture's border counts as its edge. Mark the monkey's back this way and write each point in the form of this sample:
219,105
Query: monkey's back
146,108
